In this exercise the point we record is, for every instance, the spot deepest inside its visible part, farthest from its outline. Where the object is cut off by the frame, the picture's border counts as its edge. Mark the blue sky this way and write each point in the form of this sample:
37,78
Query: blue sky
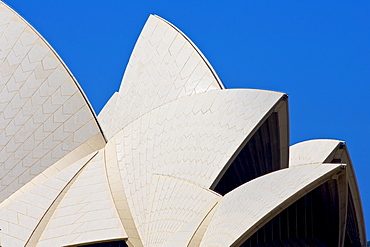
318,52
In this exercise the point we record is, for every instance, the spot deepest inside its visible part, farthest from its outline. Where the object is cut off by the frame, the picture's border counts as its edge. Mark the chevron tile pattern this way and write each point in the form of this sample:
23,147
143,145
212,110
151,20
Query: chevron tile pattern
163,67
88,199
21,213
143,172
43,113
191,138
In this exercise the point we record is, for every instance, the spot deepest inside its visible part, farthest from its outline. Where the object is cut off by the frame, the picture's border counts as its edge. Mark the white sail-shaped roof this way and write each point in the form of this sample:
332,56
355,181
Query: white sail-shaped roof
164,66
312,151
173,135
22,212
192,138
168,211
242,211
44,114
332,151
86,213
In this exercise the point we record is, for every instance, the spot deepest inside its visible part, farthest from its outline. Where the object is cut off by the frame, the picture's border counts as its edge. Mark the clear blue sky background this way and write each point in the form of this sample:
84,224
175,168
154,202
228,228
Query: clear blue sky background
318,52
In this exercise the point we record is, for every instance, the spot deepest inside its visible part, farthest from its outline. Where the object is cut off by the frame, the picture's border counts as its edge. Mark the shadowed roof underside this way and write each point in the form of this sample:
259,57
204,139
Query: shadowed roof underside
182,161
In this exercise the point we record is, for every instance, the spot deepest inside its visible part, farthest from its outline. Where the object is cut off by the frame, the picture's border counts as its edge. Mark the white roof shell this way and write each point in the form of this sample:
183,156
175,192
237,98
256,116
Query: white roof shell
312,151
164,66
331,151
242,211
44,114
172,132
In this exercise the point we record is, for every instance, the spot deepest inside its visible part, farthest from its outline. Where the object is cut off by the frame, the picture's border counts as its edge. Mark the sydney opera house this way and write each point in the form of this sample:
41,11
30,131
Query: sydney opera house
173,159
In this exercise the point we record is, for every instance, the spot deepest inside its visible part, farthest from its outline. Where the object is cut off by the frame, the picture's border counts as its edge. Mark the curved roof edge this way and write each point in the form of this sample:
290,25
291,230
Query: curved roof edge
90,190
62,63
207,92
281,107
318,139
42,193
355,191
48,114
197,49
188,159
174,195
119,195
270,100
39,229
164,65
313,151
238,216
330,151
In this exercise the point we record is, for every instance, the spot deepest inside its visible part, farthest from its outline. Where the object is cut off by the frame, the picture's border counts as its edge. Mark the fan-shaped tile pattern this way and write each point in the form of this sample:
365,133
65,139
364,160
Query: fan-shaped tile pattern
243,210
43,112
311,151
22,211
172,204
87,212
192,138
198,235
187,235
164,65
